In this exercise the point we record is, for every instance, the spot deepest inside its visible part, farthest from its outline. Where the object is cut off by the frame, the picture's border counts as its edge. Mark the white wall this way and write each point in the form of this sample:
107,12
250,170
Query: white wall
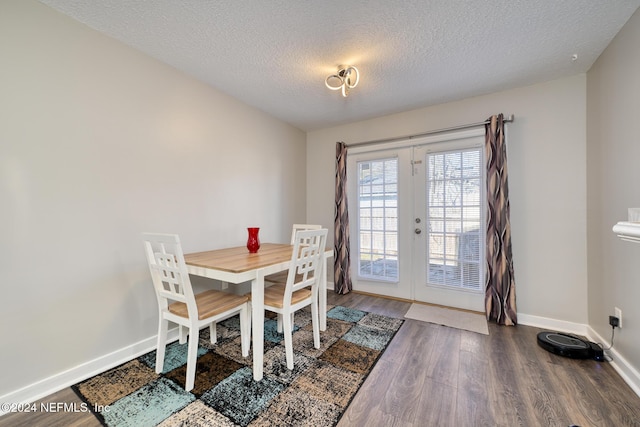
547,180
97,144
613,130
86,123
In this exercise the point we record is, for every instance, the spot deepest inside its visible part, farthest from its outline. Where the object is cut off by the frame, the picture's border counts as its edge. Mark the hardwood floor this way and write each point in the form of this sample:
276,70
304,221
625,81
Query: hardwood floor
73,416
432,375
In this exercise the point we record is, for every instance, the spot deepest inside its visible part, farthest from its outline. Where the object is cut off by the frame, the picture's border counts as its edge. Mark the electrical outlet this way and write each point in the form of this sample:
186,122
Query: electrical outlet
618,314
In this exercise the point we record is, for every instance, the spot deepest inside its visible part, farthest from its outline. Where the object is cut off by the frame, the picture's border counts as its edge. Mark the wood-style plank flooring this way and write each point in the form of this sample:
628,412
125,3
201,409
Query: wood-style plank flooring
433,375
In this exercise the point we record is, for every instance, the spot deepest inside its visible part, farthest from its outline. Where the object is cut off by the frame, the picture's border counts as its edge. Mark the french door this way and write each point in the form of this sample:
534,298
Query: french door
417,212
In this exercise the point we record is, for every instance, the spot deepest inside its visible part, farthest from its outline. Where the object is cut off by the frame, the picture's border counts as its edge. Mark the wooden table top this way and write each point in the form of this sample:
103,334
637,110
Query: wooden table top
238,259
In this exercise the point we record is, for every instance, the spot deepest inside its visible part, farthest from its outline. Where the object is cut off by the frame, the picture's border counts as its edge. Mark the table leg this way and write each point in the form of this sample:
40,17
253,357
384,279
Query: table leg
257,319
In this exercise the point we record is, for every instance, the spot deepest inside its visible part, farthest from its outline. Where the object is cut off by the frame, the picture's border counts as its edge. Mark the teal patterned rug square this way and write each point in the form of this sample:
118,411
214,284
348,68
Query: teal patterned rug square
315,393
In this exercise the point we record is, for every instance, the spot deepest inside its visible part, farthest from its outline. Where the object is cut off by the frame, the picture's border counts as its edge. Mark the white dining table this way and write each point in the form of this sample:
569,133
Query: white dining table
237,265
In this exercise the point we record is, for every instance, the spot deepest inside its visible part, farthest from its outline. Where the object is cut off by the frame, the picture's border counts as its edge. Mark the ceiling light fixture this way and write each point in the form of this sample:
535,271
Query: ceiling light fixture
347,78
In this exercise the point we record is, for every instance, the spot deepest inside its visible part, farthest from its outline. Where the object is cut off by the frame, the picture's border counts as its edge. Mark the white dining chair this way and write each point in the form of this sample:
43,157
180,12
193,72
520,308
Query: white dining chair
301,287
281,277
298,227
177,302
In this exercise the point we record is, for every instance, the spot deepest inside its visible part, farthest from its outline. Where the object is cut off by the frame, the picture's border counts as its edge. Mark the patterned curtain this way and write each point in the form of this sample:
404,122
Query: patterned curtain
500,287
341,261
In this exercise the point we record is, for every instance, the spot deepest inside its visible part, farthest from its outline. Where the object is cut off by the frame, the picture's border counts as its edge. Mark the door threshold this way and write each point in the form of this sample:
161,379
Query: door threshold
411,301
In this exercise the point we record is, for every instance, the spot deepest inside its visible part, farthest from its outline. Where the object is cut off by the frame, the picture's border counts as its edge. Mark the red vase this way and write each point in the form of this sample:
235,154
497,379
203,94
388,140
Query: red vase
253,242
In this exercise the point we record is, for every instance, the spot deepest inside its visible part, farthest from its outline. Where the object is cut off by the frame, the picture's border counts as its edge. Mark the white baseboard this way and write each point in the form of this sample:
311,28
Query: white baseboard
553,324
57,382
629,374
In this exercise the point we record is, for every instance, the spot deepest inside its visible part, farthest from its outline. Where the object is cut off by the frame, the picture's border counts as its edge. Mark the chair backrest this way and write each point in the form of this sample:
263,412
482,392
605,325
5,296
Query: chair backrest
306,260
298,227
169,271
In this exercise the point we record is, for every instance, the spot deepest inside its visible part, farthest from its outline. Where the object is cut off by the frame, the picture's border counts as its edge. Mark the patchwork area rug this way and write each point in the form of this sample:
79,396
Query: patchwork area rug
448,317
315,393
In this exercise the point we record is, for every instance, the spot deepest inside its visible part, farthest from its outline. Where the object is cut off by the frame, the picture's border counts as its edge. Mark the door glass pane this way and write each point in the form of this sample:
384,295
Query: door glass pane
378,219
454,216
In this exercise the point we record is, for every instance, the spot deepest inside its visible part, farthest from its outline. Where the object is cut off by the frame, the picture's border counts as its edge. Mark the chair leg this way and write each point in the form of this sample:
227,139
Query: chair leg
288,339
192,356
213,332
245,330
249,325
163,325
280,322
182,336
315,321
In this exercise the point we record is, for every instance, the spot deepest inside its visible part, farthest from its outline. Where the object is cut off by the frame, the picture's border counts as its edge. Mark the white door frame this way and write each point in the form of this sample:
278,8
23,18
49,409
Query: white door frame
408,265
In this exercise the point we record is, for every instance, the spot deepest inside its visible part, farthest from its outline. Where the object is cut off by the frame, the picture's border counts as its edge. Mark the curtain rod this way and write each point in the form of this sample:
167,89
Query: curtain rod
431,132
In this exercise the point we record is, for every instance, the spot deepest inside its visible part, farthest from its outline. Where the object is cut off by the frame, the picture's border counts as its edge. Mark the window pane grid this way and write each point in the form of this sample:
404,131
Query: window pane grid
378,219
454,198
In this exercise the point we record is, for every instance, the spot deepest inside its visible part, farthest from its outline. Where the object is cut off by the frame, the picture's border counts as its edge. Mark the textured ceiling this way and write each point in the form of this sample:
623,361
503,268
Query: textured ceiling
275,55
